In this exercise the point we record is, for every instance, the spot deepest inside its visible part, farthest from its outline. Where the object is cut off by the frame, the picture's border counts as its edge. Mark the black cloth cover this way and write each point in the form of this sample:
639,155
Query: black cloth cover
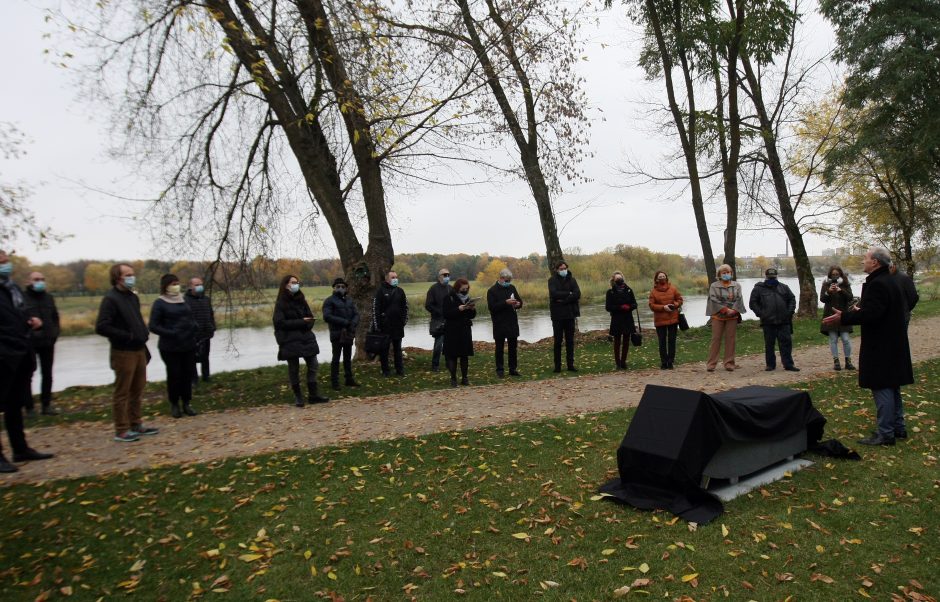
675,432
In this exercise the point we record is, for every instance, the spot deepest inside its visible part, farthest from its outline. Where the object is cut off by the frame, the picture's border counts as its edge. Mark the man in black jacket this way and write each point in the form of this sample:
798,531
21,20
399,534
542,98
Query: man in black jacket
775,304
120,320
16,365
563,297
389,316
434,304
504,301
908,290
201,307
41,304
884,361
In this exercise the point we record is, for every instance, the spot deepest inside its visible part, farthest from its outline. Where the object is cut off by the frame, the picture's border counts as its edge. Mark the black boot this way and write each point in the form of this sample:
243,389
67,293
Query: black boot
298,397
188,409
335,385
48,410
848,364
175,411
351,382
835,364
313,396
6,466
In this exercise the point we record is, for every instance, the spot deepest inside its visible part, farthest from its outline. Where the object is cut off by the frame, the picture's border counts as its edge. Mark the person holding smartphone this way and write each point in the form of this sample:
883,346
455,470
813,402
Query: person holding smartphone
293,329
459,312
836,294
665,302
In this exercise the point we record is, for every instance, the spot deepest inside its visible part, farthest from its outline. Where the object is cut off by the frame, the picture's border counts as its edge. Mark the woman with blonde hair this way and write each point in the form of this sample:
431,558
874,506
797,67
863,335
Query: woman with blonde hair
725,306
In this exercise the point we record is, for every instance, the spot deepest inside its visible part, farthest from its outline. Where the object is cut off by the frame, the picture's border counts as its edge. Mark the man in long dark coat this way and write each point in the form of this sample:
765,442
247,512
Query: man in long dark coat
504,301
884,362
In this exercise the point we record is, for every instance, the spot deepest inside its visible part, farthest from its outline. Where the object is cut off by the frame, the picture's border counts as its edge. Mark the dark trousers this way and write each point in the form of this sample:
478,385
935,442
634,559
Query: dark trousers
395,344
44,357
779,333
436,351
346,351
564,327
667,344
14,386
513,351
621,349
179,384
201,357
452,366
293,373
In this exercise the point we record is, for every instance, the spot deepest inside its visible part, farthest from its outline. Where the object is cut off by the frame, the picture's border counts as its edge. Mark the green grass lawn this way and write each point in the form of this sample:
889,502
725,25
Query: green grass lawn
508,512
263,386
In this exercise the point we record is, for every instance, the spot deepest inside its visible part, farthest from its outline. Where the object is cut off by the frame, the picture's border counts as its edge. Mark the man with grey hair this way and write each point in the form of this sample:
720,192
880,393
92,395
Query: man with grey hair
39,303
504,301
434,304
884,361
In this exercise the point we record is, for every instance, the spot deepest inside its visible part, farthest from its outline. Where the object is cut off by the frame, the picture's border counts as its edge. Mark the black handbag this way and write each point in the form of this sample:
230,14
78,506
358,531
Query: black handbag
376,343
636,337
683,323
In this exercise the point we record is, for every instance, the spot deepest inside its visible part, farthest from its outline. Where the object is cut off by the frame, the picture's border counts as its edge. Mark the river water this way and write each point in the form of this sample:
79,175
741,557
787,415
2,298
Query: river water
83,360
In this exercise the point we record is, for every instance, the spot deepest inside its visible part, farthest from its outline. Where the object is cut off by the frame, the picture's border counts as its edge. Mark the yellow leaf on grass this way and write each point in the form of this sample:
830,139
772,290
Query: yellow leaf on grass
863,593
608,551
250,557
498,574
332,575
521,535
689,577
307,555
644,568
137,566
724,531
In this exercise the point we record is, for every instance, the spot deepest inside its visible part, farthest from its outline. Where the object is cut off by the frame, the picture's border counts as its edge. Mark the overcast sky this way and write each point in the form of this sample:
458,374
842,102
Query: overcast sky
71,176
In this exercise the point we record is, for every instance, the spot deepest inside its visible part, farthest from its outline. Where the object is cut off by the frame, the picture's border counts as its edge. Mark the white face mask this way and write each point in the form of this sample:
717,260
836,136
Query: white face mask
173,289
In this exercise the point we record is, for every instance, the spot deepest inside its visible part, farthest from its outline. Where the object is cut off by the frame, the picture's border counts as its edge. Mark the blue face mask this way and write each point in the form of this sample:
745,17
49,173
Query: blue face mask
130,281
505,283
394,282
6,268
294,288
199,289
726,277
563,273
445,280
39,286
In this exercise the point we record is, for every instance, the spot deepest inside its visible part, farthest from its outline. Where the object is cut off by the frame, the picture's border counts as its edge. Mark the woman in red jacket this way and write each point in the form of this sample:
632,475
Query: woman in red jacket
665,302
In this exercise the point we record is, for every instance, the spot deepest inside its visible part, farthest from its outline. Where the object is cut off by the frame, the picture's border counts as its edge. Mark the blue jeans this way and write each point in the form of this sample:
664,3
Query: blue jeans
890,410
834,337
779,333
436,354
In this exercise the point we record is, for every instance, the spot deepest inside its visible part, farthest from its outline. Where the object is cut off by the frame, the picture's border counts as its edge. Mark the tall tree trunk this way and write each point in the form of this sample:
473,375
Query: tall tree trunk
687,137
804,270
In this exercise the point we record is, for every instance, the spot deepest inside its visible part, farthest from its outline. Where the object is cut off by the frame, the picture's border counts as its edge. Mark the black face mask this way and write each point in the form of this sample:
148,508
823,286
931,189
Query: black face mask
466,292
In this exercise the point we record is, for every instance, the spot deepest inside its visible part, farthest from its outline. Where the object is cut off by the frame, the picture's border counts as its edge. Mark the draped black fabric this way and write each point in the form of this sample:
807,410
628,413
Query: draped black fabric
675,432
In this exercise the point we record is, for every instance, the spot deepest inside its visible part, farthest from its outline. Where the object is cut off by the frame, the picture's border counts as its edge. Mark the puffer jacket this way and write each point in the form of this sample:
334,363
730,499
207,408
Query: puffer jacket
773,304
564,295
339,311
294,335
660,297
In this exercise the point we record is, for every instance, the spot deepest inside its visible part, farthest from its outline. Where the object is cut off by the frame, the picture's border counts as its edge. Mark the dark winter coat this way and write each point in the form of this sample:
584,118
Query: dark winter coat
831,301
773,303
434,304
175,324
884,361
14,331
294,335
120,320
390,311
621,320
563,296
505,320
458,327
42,306
906,284
201,306
339,311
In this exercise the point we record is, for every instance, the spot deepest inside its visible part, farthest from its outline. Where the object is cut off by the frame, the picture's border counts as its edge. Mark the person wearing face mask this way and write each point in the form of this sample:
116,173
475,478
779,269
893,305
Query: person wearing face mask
434,305
16,365
504,301
563,297
120,320
774,303
666,303
389,316
725,306
620,303
40,303
293,330
201,305
339,311
836,294
459,311
172,319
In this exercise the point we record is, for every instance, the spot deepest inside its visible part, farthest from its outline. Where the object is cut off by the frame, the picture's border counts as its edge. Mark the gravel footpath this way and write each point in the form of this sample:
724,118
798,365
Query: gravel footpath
85,449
